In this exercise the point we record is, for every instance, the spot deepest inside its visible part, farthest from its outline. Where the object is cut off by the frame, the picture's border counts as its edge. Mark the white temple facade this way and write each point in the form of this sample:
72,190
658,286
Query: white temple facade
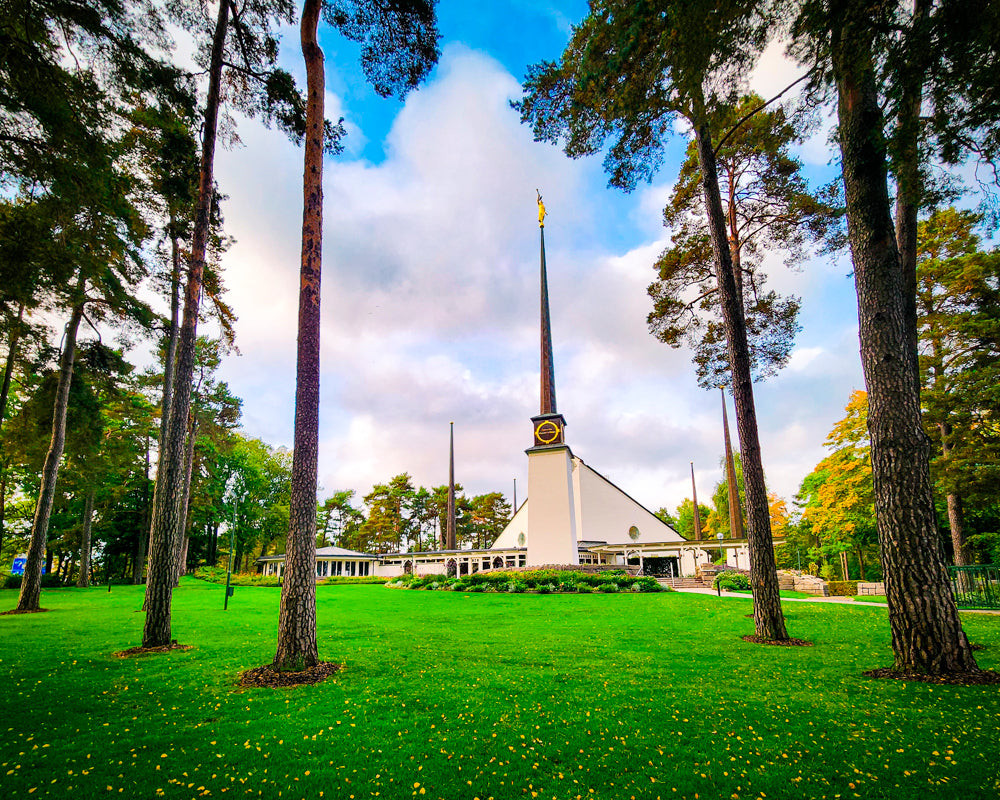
573,514
578,509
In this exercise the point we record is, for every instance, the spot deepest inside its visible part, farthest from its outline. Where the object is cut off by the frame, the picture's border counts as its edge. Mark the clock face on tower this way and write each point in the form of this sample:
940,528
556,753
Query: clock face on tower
548,432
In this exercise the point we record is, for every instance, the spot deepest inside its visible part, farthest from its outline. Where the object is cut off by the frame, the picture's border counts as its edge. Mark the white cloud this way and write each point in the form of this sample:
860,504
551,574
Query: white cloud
430,309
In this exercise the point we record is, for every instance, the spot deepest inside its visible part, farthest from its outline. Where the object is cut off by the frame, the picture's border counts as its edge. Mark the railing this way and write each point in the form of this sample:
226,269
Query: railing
976,587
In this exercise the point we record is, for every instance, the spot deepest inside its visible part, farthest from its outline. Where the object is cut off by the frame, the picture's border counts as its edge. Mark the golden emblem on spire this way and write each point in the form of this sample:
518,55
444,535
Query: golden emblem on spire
541,210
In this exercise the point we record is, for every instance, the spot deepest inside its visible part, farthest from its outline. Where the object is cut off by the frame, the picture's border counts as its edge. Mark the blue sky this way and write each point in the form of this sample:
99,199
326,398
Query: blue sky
430,304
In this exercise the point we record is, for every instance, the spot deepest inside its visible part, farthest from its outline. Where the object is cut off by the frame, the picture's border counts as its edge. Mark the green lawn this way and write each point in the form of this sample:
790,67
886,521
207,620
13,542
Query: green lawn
448,695
790,593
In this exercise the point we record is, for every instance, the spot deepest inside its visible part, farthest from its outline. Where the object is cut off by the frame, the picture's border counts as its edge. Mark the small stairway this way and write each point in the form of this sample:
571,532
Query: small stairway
683,583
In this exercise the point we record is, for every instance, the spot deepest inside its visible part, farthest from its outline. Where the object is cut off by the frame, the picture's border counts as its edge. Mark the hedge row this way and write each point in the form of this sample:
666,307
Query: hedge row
842,588
218,575
335,580
48,582
543,581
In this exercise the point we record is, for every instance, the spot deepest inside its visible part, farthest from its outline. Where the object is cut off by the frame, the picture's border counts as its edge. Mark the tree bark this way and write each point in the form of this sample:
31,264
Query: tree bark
170,356
297,648
956,515
180,562
31,583
768,617
909,185
3,500
927,635
83,579
142,534
170,471
14,335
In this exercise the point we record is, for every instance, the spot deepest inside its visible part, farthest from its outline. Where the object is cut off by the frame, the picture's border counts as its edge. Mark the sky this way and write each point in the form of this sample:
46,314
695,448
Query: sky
430,286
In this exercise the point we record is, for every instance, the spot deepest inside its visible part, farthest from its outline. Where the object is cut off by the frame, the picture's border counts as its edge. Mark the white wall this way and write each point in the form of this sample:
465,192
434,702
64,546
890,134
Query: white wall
517,525
607,513
552,522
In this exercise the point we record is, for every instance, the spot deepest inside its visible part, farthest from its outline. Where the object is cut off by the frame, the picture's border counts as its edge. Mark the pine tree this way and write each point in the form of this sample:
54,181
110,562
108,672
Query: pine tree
629,71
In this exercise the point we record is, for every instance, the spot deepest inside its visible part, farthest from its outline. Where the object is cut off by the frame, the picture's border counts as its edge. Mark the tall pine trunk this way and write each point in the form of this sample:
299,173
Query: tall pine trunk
909,184
31,583
768,617
956,516
168,495
3,500
170,356
83,579
14,335
142,534
297,647
181,560
927,635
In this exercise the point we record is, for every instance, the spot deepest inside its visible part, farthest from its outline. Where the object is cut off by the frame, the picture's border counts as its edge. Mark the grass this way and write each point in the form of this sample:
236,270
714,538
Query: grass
790,593
451,695
870,598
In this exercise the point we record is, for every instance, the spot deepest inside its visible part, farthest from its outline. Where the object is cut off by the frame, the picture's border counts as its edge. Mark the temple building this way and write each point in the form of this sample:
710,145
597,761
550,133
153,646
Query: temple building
572,516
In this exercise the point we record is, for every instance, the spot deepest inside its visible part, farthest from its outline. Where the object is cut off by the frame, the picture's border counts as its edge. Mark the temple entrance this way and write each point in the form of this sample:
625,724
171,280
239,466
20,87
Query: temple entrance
662,566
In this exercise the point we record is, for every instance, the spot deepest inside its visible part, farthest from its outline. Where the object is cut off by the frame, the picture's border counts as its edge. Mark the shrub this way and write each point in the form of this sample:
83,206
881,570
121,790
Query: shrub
731,580
429,581
218,575
842,588
646,584
360,580
608,588
584,588
516,587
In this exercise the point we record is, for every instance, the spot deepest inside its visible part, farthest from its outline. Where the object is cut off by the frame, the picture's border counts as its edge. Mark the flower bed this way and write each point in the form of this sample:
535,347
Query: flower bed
539,581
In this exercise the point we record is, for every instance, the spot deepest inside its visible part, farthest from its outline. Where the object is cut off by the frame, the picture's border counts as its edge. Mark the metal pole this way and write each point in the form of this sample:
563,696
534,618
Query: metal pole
229,566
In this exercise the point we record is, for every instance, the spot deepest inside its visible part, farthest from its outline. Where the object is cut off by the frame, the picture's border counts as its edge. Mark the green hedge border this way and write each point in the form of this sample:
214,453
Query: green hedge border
543,581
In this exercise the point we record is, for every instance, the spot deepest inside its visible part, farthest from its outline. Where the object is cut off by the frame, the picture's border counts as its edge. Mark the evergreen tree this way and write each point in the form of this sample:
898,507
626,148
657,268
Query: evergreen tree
958,317
398,48
847,44
768,207
629,71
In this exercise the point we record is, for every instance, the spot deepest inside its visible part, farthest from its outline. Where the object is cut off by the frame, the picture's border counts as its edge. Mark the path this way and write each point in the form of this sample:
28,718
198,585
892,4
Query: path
841,600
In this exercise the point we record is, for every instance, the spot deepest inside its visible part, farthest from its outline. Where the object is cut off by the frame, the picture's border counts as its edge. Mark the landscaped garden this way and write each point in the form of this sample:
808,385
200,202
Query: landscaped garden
463,695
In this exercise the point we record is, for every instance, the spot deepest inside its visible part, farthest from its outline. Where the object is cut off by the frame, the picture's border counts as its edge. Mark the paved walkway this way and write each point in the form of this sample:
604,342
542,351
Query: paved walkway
841,600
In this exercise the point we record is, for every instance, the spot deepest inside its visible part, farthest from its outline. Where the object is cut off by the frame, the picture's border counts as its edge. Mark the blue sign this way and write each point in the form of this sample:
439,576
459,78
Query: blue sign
17,568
